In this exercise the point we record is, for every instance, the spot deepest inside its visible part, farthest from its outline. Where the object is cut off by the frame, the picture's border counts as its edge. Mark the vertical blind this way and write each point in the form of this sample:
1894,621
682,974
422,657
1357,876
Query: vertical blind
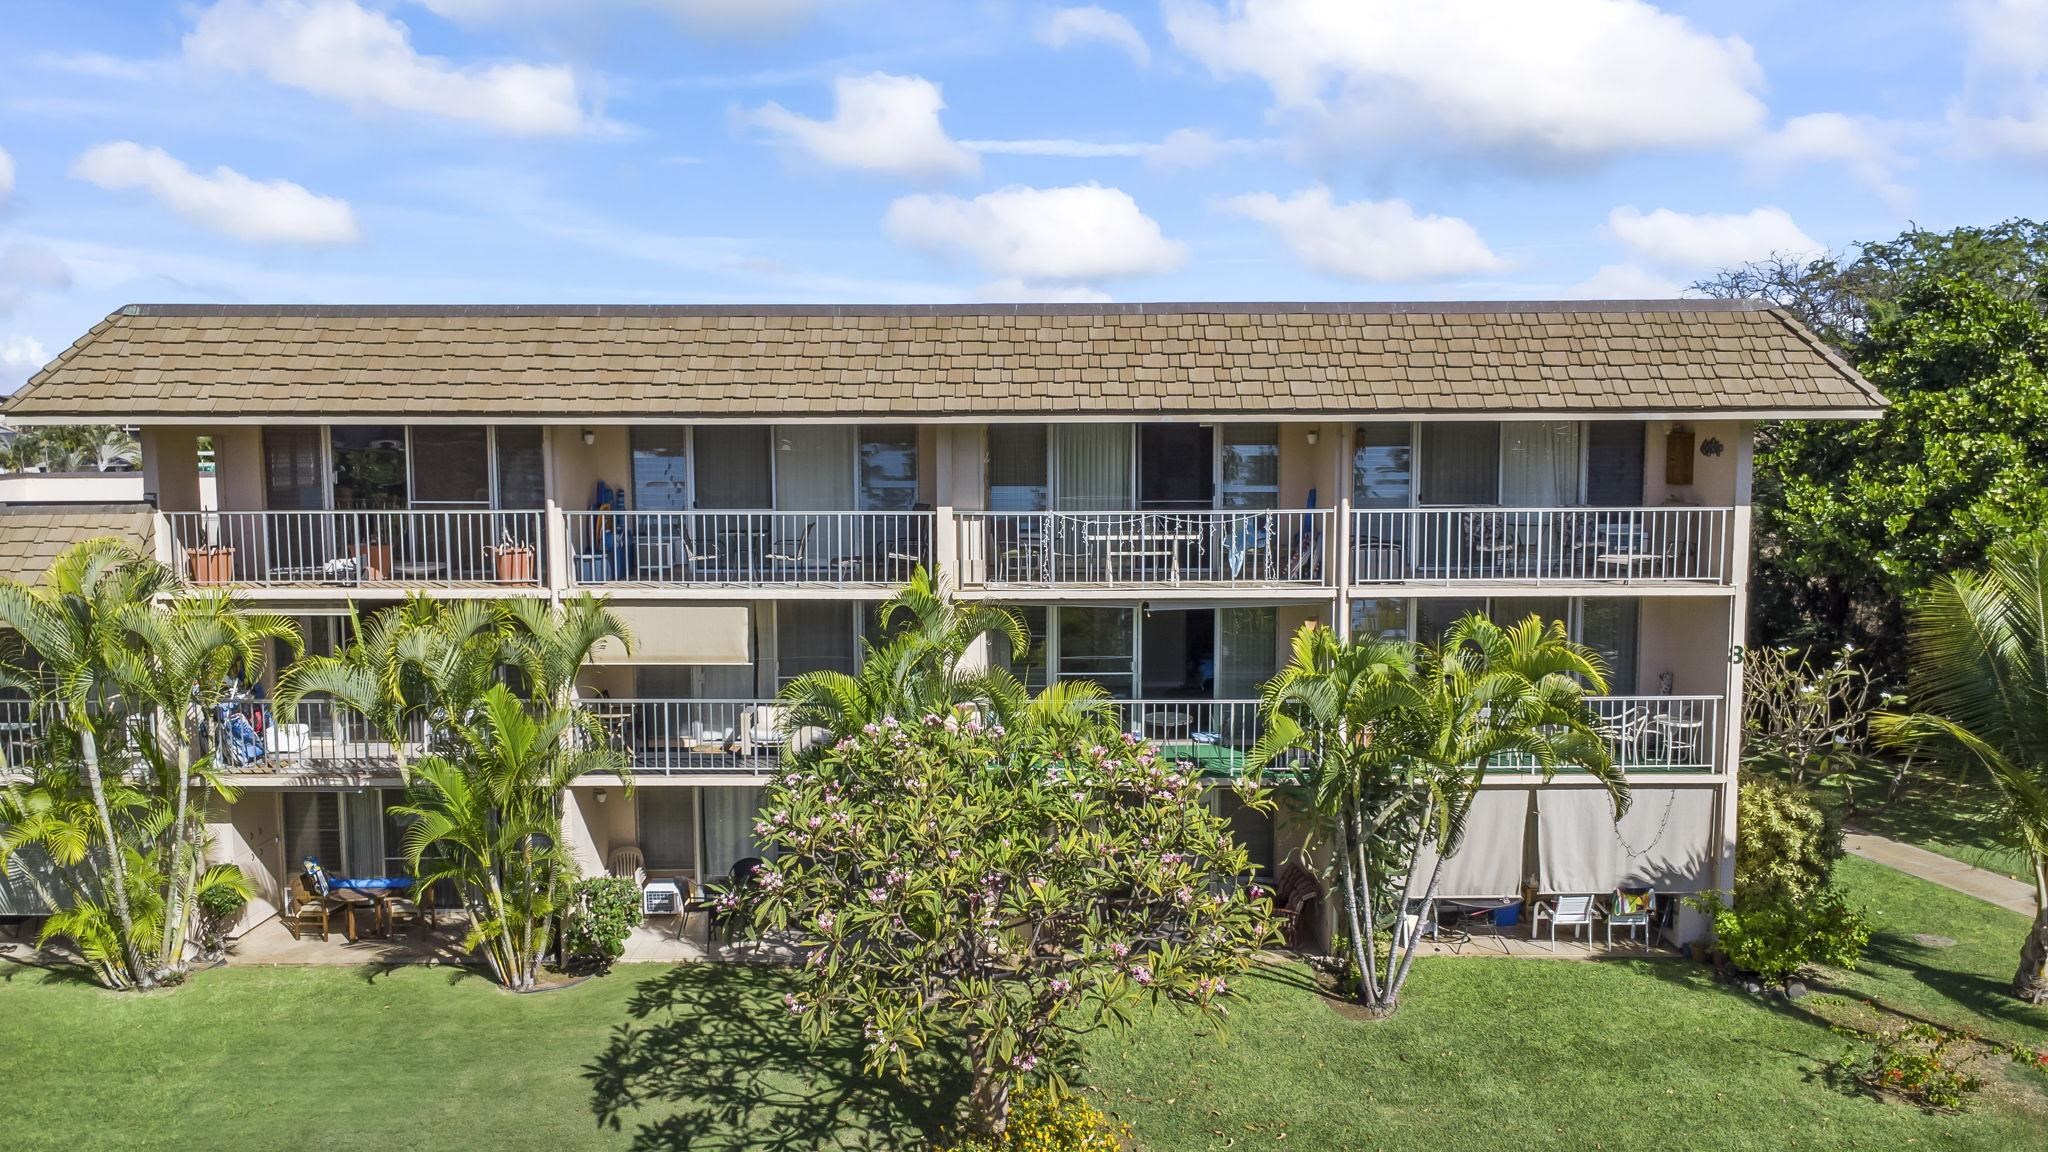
1249,650
1092,468
814,467
1460,463
729,815
668,828
522,469
1017,468
1539,463
733,467
1614,463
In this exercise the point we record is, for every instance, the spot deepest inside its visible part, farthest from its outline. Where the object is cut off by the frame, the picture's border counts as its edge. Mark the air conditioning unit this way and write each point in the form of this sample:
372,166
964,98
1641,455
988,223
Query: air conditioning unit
661,898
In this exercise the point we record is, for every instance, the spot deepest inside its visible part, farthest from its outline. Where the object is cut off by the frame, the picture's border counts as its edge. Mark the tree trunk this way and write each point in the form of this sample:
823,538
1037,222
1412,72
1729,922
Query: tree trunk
1361,945
2031,982
988,1100
117,868
171,952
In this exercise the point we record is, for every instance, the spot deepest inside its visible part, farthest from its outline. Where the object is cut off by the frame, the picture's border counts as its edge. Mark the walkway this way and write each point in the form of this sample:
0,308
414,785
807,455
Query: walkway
1938,869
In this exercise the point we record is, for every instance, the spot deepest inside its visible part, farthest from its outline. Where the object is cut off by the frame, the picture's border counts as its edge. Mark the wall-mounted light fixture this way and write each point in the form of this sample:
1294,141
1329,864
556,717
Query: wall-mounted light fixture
1313,435
601,794
589,437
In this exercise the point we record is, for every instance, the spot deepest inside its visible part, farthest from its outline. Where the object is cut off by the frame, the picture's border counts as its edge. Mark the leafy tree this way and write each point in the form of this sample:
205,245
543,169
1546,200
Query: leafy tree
371,677
1389,743
72,448
949,880
1785,913
1979,659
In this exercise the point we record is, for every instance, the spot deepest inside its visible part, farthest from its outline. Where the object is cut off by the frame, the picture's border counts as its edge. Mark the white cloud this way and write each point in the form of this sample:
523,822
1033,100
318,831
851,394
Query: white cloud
1182,148
1040,237
1375,240
6,176
2004,106
1709,241
1194,148
337,49
20,358
1856,143
1566,79
1020,292
1071,149
1625,282
711,17
880,123
25,267
1091,24
224,200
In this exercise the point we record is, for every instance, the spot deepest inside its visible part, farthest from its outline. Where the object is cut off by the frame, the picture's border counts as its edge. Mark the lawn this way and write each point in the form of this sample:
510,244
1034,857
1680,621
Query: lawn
1933,810
1488,1054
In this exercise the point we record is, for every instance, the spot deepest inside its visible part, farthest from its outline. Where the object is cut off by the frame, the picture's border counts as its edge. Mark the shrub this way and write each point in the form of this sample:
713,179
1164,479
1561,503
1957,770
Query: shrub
1920,1063
1776,938
602,915
220,905
1044,1121
1785,846
1786,914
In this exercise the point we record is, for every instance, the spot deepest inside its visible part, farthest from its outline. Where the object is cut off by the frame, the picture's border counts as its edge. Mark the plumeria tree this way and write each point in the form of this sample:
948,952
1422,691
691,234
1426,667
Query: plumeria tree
949,881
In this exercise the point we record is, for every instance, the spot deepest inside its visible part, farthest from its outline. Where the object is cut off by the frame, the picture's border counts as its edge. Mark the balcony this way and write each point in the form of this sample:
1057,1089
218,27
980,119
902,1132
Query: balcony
314,738
1145,550
746,550
360,549
1542,546
679,737
1652,735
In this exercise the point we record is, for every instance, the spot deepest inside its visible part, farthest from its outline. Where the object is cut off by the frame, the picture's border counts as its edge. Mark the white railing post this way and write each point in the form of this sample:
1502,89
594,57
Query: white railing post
555,526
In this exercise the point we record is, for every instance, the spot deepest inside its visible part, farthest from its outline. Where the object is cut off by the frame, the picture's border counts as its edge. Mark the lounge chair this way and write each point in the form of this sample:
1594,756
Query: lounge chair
1571,911
1632,910
1298,903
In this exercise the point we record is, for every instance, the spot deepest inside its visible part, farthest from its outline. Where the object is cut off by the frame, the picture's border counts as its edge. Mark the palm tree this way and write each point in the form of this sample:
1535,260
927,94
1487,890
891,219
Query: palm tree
72,644
1978,658
182,658
369,677
1390,743
488,820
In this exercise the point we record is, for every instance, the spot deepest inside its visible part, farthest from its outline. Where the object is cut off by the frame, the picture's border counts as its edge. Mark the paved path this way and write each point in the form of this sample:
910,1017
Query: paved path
1939,869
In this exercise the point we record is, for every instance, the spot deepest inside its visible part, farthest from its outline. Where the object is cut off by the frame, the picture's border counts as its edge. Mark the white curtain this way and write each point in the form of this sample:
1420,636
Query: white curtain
363,819
1250,651
1093,468
814,467
729,815
1665,841
1539,463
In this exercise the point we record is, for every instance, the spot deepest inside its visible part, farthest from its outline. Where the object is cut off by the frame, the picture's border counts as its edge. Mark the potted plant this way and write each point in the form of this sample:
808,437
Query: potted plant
514,561
375,548
211,564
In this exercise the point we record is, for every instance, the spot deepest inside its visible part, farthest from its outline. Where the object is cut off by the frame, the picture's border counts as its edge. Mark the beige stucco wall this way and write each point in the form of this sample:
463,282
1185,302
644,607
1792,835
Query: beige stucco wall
247,834
1305,466
238,467
1687,637
1714,477
170,467
579,466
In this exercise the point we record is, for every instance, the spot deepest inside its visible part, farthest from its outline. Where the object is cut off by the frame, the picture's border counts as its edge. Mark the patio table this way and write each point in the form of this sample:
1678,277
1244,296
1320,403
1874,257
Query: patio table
350,901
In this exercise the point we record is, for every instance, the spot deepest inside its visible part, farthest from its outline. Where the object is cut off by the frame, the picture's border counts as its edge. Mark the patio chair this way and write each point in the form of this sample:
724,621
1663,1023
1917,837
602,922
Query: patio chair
1632,910
762,728
306,910
792,552
1571,911
625,862
1298,903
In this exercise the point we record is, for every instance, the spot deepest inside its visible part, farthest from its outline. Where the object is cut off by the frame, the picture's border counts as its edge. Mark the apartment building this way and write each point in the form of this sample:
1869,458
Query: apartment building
1165,491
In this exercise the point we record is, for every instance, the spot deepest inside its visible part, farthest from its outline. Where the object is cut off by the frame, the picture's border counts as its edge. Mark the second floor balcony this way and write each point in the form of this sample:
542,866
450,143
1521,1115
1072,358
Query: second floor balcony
1542,546
333,549
1136,550
747,549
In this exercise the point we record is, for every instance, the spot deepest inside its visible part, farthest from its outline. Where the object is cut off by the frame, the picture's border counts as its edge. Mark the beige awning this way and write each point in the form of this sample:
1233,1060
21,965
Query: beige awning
690,634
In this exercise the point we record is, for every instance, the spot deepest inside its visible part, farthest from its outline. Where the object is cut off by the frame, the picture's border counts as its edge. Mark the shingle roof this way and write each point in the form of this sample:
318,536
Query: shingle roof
31,535
181,362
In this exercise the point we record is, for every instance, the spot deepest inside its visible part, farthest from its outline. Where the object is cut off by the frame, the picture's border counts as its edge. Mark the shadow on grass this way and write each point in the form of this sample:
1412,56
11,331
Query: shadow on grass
710,1059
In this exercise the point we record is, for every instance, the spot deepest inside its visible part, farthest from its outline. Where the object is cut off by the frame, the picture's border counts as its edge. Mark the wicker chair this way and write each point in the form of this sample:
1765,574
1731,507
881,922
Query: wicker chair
306,910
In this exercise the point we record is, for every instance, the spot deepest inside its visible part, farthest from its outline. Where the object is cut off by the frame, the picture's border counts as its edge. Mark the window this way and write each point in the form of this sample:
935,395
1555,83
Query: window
1608,625
888,468
815,636
1250,827
1539,464
729,815
451,466
292,472
522,468
1382,466
1030,669
1614,464
369,467
1098,644
1176,467
1017,468
814,467
1384,617
733,467
1249,650
312,830
1092,468
1433,618
1507,610
668,828
1251,466
1460,463
661,467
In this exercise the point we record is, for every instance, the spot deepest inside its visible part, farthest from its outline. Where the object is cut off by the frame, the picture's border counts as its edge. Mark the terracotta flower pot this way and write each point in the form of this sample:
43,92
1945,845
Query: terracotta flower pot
514,564
211,565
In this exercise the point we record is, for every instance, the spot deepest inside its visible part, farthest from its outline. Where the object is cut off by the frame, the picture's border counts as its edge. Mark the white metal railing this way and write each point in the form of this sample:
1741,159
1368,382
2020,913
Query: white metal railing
312,736
1212,737
748,548
667,736
1144,549
348,548
1540,545
1651,734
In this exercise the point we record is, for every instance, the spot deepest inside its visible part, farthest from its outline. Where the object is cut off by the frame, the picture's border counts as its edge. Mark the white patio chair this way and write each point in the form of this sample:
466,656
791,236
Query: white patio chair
1631,911
1570,911
626,862
762,728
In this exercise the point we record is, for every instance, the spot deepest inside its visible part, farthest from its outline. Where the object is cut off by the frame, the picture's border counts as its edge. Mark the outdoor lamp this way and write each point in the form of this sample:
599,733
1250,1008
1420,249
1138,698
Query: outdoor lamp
589,437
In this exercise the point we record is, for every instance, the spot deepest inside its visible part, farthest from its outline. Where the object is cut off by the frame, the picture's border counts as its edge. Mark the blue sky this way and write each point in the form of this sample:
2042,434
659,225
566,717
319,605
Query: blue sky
955,150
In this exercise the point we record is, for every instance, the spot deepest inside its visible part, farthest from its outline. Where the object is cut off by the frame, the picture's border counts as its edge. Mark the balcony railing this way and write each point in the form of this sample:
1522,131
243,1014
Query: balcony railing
1541,545
1144,549
1652,734
313,736
680,736
355,548
745,549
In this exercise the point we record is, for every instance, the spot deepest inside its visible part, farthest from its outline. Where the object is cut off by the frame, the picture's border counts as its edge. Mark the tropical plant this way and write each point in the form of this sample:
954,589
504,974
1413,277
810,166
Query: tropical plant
72,448
603,911
487,821
1043,1120
1389,742
1806,721
953,881
1978,649
371,676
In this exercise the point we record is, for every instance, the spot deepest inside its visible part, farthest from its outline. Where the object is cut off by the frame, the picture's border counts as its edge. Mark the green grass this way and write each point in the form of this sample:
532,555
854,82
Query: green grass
1495,1055
1933,810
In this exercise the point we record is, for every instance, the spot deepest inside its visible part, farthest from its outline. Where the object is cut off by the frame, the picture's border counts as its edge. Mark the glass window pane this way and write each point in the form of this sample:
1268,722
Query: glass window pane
661,467
369,466
1251,466
522,472
1460,463
1249,651
888,468
1382,466
1614,464
1508,610
291,469
815,636
729,815
1016,468
1608,625
312,830
1384,617
1434,617
1540,464
668,828
733,466
451,466
1099,644
1093,468
395,863
1030,668
814,467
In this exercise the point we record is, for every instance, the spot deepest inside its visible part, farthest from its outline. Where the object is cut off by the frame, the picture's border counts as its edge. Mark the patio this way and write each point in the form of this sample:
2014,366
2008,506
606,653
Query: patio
270,943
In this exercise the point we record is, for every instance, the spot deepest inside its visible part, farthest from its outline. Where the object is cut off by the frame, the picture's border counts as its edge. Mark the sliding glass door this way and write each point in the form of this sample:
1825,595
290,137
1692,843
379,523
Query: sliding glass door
1092,468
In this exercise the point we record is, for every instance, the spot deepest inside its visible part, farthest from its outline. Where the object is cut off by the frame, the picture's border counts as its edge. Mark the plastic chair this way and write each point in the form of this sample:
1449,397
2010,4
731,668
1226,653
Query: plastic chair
1571,911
